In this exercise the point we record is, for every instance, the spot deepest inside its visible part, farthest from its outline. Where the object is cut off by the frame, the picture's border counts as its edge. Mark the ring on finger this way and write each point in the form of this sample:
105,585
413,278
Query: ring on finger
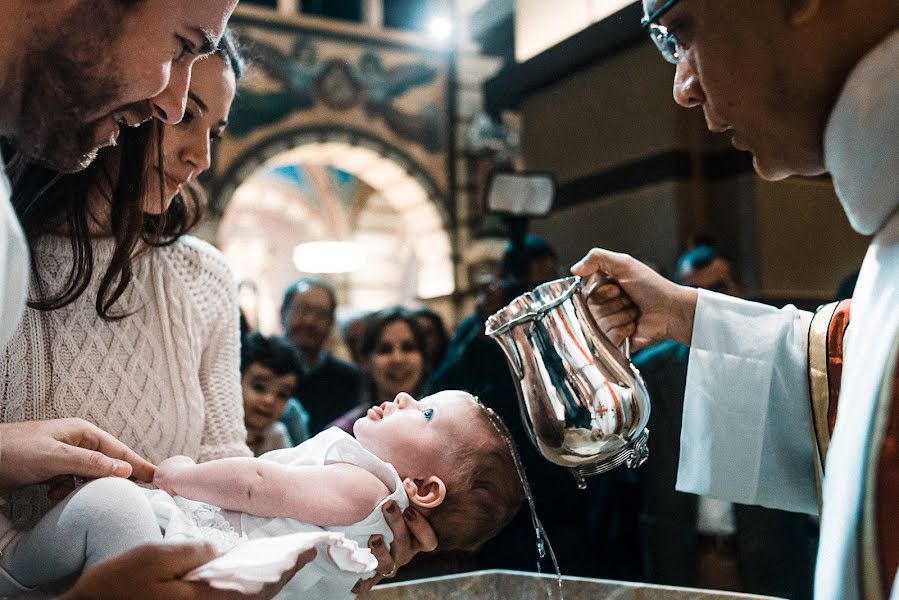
390,574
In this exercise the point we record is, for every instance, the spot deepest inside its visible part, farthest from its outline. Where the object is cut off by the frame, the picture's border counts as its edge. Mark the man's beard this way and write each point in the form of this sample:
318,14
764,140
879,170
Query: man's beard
68,75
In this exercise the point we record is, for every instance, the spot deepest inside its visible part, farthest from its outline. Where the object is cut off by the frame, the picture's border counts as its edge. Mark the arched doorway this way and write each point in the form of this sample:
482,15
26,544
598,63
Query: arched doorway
327,184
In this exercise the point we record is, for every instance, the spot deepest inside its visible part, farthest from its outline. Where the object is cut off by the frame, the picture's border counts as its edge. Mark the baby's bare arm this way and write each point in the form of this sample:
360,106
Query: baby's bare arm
335,494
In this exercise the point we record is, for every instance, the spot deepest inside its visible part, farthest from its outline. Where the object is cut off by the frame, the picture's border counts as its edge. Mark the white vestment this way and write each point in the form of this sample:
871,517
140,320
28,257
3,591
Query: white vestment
746,433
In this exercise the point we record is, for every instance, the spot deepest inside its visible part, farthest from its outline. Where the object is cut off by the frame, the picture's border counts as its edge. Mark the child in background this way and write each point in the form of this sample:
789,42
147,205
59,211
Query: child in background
269,372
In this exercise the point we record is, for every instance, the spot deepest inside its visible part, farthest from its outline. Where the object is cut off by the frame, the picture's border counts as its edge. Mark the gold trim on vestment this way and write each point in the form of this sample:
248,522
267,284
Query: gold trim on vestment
819,387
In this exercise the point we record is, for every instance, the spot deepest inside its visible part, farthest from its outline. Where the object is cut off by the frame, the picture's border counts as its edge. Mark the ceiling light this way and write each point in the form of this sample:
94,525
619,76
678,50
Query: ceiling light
440,28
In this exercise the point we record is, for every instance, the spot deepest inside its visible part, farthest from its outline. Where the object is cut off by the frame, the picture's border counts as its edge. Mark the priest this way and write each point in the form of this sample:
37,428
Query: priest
807,86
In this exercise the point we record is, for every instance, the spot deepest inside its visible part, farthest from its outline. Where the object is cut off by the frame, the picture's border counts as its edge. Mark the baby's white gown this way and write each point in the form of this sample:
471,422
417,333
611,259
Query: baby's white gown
182,519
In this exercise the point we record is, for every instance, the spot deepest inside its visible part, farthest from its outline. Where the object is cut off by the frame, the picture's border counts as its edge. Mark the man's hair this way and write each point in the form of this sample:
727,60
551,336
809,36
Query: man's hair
302,285
484,490
275,353
696,258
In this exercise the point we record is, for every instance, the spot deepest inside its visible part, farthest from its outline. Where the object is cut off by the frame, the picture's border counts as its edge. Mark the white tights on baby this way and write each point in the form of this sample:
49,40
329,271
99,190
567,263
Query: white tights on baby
96,522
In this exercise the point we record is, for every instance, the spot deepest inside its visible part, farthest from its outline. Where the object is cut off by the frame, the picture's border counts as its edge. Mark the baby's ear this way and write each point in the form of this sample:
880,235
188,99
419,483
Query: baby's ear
425,493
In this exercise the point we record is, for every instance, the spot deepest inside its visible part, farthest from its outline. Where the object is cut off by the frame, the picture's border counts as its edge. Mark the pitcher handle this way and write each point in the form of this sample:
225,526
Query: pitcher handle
589,286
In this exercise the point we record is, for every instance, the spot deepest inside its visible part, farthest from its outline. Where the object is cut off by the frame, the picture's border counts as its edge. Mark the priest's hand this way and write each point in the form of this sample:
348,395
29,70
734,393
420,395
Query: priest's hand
37,451
630,300
411,534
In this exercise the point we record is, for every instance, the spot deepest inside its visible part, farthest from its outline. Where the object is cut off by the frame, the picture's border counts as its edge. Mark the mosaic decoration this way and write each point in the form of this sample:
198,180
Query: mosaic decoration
306,79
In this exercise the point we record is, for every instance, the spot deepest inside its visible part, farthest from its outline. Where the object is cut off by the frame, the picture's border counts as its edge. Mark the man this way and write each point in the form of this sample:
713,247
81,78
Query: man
329,387
701,541
807,87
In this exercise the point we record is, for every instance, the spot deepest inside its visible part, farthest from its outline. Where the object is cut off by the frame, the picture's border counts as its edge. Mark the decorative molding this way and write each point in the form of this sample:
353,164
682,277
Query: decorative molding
665,166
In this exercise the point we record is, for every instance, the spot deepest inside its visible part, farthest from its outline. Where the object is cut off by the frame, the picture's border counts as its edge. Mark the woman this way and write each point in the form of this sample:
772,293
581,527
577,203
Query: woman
392,353
131,325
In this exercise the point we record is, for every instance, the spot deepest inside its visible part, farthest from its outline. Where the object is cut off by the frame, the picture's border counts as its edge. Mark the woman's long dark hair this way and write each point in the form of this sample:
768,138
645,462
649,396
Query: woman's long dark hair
47,202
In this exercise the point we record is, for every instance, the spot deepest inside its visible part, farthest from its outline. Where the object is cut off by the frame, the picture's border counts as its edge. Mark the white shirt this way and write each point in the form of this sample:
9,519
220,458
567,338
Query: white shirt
746,433
164,380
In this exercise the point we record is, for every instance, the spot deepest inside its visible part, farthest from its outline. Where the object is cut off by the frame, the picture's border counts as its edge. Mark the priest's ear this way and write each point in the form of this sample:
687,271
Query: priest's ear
425,493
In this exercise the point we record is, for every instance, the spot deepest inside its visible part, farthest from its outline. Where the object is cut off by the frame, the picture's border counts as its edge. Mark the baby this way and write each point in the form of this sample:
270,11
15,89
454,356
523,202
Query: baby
446,455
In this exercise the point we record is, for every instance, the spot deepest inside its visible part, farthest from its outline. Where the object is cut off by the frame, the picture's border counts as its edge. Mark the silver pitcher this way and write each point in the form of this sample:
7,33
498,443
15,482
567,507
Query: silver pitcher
582,401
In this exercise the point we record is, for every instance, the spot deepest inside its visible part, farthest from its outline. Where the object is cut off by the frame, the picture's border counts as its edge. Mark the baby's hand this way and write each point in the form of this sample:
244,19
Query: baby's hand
168,470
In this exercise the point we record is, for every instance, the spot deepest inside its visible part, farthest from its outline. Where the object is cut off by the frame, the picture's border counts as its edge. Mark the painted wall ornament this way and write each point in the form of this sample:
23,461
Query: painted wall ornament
304,80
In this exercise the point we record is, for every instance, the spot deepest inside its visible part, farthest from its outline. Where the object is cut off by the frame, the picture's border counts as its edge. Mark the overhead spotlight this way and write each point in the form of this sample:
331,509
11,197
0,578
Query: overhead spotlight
440,28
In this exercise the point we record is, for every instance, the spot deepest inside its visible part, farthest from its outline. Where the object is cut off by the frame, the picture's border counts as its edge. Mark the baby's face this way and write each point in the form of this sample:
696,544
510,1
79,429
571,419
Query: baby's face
265,394
413,435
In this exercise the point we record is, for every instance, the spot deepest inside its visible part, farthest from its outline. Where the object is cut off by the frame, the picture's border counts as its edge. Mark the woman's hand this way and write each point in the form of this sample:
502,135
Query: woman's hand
411,534
169,470
636,302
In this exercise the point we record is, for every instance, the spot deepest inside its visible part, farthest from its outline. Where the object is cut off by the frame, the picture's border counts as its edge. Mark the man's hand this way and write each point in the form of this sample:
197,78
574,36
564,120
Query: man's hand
411,534
156,571
36,451
636,302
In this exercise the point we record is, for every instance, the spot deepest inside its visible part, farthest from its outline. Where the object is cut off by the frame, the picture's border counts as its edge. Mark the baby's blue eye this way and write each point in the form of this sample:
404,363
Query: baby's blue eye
428,413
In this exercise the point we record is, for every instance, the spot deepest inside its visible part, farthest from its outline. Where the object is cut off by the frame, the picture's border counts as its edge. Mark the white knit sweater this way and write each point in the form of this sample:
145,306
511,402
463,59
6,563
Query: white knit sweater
164,380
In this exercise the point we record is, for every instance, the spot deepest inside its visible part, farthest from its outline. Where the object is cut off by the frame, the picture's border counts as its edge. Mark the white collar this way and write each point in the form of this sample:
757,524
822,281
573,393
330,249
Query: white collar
861,142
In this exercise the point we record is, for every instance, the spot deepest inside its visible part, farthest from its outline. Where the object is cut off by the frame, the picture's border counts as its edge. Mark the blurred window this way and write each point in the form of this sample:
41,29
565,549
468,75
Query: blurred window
273,4
410,15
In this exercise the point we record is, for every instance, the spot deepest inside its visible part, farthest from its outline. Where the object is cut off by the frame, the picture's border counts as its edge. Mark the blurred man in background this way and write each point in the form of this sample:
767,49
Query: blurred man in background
699,541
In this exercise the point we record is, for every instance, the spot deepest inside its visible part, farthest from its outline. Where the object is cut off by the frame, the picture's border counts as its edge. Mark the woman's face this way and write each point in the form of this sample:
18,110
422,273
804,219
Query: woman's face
186,146
396,363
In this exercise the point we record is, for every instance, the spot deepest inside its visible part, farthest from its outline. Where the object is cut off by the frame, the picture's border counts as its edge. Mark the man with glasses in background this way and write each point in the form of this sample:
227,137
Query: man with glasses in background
807,86
698,541
328,386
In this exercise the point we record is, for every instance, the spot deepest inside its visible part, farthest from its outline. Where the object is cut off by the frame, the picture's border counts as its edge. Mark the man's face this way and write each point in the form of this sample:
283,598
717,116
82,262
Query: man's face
541,270
103,65
745,65
308,319
716,276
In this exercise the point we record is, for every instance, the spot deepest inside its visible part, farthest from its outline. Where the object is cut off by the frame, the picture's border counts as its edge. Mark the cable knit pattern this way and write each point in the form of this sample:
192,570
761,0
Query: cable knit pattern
165,380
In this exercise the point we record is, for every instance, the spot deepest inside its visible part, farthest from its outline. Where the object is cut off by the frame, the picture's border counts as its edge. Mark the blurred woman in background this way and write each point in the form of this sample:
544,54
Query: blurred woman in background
393,353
